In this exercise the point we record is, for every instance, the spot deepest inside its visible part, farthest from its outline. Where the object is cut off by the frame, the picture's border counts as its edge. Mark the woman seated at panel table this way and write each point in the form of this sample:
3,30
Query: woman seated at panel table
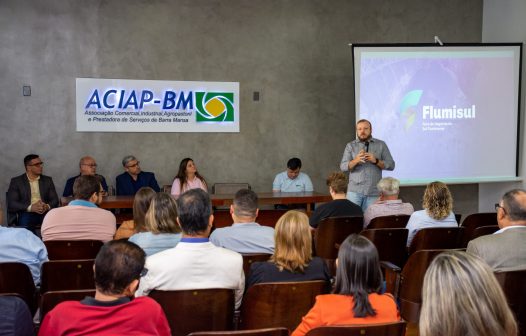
438,206
355,298
187,178
292,259
141,203
163,232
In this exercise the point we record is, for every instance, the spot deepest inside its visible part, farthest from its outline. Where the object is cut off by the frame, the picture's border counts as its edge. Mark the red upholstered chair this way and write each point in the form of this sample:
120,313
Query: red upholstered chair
384,329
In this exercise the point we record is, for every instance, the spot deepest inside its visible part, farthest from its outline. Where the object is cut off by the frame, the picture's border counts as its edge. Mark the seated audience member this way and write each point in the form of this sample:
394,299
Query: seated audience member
113,311
133,179
292,180
187,178
195,263
162,230
356,297
461,296
141,203
245,235
20,245
388,202
15,317
87,166
505,250
292,259
31,194
81,218
438,206
340,205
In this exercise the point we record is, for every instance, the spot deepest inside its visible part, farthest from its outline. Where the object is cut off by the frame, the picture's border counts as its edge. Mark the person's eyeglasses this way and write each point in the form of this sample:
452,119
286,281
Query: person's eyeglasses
94,165
144,272
38,164
497,206
134,165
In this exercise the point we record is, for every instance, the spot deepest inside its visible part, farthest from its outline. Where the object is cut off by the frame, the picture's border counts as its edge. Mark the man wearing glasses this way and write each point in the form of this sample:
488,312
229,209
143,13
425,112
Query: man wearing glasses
88,166
81,219
31,195
505,250
133,178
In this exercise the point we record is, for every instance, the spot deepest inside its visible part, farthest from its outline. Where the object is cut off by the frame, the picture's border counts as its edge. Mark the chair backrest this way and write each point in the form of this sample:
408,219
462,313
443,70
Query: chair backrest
435,238
254,332
67,275
197,309
228,188
72,249
484,230
16,278
279,304
250,258
474,221
390,243
513,285
384,329
411,281
50,299
389,222
332,231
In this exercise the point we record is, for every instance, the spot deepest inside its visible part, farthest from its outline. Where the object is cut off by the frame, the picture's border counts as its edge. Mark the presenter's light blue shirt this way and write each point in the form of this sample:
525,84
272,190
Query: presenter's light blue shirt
21,245
154,243
283,183
245,238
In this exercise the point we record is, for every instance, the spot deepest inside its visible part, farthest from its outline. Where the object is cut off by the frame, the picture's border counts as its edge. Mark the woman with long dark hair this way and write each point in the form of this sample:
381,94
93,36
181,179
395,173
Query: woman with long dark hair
356,297
187,178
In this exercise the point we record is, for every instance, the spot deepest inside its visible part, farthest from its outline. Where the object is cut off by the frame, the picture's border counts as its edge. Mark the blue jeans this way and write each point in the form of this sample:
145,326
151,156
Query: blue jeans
360,199
30,220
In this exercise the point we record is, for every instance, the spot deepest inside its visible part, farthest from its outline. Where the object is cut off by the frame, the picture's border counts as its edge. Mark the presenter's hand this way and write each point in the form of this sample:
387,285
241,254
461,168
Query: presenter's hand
369,157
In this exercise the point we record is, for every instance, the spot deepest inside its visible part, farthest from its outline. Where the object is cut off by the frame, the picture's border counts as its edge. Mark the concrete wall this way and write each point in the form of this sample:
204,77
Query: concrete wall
295,53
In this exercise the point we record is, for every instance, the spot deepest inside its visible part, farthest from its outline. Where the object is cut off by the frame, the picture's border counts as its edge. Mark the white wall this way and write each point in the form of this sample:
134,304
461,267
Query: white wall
503,21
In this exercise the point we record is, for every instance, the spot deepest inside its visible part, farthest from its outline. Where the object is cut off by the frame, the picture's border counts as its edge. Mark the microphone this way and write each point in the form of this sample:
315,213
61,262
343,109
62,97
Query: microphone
367,146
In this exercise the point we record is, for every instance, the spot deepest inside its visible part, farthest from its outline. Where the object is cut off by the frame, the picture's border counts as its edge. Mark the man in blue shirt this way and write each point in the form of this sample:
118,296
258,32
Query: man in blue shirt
133,178
292,180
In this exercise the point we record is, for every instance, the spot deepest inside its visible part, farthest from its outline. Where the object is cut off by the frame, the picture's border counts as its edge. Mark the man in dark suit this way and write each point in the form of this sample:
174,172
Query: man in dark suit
505,250
31,194
133,178
88,166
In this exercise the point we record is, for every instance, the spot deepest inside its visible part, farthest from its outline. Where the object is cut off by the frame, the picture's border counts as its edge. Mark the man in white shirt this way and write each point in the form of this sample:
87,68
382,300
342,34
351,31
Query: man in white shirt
194,263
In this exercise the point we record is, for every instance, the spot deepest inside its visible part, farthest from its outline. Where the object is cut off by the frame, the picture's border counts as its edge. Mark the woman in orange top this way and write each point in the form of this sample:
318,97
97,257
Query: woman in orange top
355,298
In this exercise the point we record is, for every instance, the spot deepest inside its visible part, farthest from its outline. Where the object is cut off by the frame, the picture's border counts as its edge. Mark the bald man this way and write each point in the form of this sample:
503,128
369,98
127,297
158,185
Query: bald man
87,166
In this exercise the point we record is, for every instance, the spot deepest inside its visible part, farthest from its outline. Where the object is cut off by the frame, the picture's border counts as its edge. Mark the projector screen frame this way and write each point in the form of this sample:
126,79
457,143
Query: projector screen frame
518,146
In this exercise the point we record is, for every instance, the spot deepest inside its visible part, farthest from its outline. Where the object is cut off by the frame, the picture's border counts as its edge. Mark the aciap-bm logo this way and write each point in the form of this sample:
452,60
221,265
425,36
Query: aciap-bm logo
214,106
408,107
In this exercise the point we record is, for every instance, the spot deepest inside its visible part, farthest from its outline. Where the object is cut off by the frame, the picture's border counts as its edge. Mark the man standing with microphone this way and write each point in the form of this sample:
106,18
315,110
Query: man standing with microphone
365,158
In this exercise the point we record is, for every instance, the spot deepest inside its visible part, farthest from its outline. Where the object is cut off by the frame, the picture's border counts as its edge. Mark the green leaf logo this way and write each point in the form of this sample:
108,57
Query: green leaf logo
214,106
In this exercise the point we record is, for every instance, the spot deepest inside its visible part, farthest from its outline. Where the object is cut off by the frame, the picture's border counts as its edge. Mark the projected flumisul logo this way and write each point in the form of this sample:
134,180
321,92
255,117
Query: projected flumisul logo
408,107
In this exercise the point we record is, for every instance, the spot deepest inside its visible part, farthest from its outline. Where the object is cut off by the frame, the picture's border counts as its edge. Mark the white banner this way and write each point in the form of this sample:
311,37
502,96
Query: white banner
124,105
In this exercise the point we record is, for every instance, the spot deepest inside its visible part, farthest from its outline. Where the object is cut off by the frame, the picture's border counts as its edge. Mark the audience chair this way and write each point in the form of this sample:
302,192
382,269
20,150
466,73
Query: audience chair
268,217
229,188
197,309
484,231
406,284
279,304
436,238
384,329
474,221
16,278
513,285
390,243
67,275
249,258
389,222
222,218
255,332
72,249
50,299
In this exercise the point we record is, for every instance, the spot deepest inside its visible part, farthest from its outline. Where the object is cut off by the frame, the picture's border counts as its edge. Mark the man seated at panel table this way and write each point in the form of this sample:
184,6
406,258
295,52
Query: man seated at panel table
113,311
245,235
81,218
87,166
31,194
194,263
292,180
387,203
133,179
340,206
